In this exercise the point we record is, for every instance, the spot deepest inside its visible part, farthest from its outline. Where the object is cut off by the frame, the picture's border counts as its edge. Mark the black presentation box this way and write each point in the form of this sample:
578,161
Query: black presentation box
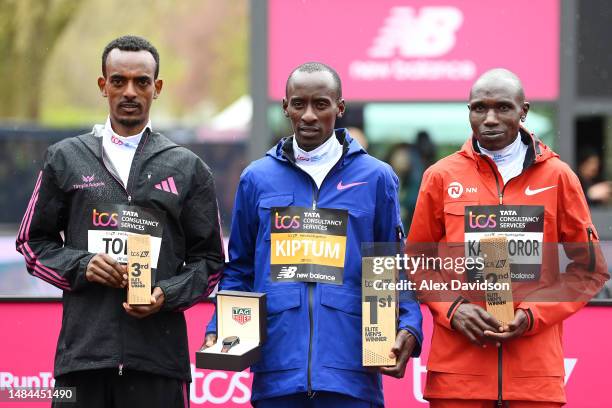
241,314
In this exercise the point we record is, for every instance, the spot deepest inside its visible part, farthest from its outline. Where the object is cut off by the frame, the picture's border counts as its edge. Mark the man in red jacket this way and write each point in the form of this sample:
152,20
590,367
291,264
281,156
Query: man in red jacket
503,175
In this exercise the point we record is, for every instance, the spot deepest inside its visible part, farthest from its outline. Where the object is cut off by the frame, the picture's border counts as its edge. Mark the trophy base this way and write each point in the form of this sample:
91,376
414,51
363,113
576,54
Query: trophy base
236,359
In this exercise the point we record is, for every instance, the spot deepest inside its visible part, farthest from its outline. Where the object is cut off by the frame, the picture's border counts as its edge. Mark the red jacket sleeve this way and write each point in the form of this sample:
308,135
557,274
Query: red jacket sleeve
587,271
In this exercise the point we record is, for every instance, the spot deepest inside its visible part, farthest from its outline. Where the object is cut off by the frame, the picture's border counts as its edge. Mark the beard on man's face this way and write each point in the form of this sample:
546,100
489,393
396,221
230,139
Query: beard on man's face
130,122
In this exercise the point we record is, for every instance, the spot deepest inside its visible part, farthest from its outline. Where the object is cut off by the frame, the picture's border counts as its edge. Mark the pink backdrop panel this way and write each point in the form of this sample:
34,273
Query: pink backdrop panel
29,335
406,50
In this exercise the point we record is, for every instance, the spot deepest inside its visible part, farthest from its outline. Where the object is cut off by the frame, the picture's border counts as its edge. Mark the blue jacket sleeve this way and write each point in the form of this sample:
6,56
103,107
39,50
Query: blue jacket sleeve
388,228
239,271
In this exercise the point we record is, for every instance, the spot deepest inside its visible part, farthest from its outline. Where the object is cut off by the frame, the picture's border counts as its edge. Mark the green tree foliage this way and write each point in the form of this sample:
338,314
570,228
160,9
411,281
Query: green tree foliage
29,30
212,36
50,56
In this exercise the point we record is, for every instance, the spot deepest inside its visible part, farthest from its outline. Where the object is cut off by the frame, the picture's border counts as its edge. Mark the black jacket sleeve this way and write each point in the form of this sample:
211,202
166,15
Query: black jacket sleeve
204,255
39,239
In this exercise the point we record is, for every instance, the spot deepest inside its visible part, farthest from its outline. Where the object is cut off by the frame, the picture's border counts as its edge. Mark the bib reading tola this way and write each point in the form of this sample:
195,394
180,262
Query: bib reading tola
308,245
110,225
522,225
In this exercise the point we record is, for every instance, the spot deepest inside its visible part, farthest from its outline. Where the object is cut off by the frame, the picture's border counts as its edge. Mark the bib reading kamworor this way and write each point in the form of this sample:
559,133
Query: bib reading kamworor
522,225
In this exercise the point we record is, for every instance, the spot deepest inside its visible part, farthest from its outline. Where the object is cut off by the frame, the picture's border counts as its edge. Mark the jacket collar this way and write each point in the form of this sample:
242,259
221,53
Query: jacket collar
536,150
283,150
151,143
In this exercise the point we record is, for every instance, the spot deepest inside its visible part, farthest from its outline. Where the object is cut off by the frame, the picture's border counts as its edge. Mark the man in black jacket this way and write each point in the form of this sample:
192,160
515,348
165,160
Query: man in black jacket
123,178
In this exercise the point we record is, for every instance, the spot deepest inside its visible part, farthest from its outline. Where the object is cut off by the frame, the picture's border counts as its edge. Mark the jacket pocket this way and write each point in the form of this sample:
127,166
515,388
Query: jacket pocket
361,224
340,315
540,355
266,202
454,219
283,347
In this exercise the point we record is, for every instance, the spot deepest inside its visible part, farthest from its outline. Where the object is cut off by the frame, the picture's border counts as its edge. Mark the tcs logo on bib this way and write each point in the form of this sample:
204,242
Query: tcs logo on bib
482,220
104,219
286,221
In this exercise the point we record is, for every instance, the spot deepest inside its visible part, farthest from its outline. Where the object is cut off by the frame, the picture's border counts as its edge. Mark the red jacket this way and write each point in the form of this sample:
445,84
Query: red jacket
530,367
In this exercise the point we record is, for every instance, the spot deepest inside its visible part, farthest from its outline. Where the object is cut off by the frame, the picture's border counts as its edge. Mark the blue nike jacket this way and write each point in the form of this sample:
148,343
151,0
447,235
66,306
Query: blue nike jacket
314,329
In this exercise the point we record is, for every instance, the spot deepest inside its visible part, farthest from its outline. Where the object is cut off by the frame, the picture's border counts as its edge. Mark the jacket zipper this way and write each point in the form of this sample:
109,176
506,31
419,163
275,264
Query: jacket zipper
315,198
129,197
500,397
114,176
311,320
591,250
135,162
500,193
132,167
129,200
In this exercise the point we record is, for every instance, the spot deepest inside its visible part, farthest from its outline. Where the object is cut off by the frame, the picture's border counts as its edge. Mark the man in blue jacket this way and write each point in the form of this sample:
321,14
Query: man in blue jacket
321,186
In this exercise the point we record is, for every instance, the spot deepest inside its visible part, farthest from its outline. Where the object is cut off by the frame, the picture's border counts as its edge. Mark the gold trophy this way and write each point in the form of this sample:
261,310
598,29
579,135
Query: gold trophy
497,270
139,269
379,314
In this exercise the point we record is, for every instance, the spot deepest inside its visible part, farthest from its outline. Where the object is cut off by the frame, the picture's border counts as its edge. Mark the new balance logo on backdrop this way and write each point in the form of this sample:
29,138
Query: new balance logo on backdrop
431,33
413,44
168,186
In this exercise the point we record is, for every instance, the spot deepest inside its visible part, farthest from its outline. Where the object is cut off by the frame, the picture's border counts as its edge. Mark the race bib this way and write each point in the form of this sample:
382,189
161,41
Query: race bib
307,245
522,225
110,225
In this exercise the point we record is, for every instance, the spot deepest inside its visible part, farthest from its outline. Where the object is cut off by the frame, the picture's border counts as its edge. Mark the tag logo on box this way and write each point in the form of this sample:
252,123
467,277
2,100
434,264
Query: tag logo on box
241,314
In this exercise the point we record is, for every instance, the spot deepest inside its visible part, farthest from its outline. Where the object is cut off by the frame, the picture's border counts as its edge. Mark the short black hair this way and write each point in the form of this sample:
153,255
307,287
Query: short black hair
317,67
496,75
130,43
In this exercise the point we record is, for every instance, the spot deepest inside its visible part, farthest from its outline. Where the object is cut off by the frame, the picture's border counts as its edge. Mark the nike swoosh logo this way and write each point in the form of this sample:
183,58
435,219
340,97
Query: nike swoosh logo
341,186
531,192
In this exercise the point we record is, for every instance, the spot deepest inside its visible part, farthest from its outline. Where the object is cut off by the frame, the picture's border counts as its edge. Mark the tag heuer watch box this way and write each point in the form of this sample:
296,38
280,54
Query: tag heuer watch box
241,330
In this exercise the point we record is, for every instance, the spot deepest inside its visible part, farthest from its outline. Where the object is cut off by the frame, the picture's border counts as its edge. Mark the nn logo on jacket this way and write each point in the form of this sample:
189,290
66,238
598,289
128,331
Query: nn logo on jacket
241,314
168,186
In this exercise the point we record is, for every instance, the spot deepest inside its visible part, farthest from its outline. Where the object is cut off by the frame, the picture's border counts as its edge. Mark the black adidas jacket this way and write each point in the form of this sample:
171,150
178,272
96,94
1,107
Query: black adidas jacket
96,331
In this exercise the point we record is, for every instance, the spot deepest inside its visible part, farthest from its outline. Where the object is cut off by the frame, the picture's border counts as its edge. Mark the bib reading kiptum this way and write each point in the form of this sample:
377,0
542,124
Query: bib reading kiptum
307,245
110,225
522,225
